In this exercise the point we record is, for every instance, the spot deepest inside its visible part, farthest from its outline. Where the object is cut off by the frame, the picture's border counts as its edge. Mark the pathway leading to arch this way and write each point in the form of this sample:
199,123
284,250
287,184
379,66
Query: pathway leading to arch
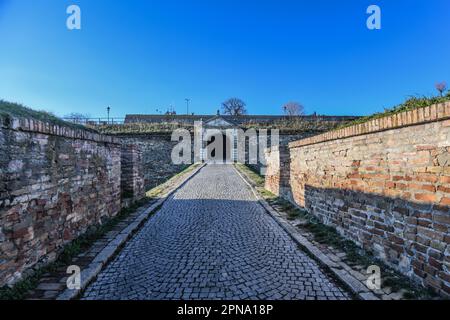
213,240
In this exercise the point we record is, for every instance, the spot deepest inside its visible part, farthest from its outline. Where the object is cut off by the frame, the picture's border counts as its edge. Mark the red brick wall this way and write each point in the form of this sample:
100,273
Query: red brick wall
277,171
386,185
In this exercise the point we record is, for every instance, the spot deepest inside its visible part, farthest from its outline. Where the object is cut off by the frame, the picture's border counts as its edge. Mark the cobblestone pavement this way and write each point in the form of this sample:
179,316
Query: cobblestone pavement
212,240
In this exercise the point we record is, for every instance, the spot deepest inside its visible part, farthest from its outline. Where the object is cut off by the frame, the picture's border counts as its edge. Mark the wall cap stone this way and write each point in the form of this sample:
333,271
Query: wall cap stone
42,127
433,113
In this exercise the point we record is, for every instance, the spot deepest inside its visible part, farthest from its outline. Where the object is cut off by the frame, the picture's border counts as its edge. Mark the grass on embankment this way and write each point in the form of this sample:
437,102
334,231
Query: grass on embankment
411,103
10,109
328,235
142,128
293,126
158,191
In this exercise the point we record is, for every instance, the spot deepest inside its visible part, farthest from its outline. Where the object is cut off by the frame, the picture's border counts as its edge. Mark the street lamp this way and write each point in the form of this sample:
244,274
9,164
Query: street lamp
187,105
108,110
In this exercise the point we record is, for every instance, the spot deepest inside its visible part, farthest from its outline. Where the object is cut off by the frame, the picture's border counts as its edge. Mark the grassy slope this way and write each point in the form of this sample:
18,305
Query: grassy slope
141,128
287,127
10,109
410,104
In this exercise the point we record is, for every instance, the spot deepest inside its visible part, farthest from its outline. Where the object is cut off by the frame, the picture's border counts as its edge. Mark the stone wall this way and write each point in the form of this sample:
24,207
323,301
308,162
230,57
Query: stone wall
132,172
157,150
239,120
55,182
156,156
384,184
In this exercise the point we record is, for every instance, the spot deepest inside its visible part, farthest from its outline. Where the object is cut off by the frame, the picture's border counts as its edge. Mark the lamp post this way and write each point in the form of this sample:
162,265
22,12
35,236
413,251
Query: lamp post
108,110
187,105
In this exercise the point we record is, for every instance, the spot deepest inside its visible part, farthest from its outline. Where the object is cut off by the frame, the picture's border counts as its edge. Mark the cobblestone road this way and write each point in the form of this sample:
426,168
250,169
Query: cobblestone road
212,240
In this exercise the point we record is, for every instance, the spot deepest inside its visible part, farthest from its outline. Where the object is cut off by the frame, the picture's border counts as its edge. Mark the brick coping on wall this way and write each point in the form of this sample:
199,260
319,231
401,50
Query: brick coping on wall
37,126
433,113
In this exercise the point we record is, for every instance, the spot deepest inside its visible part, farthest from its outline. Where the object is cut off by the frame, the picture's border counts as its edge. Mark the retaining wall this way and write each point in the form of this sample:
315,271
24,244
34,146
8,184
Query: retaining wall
385,184
156,156
55,182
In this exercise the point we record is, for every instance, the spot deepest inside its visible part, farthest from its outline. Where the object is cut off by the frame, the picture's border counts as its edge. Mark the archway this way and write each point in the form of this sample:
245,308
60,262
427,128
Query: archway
218,153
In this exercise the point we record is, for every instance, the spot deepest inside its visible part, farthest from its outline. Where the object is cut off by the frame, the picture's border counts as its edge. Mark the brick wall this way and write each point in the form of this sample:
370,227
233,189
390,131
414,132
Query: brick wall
284,140
277,178
55,182
384,184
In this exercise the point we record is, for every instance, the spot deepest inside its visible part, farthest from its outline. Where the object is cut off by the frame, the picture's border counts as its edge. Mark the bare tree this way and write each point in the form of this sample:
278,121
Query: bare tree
293,109
441,87
234,107
77,117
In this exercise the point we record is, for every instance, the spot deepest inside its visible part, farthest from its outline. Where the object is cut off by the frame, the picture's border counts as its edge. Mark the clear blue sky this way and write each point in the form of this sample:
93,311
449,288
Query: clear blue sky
139,55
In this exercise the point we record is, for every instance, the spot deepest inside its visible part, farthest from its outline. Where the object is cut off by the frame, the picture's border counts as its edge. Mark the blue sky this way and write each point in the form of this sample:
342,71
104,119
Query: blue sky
140,55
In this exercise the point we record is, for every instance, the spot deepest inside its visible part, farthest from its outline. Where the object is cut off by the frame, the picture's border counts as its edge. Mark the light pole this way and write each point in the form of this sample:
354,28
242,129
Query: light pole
108,110
187,105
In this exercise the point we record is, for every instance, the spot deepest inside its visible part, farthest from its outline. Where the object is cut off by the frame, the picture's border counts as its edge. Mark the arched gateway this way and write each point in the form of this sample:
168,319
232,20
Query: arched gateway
220,141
